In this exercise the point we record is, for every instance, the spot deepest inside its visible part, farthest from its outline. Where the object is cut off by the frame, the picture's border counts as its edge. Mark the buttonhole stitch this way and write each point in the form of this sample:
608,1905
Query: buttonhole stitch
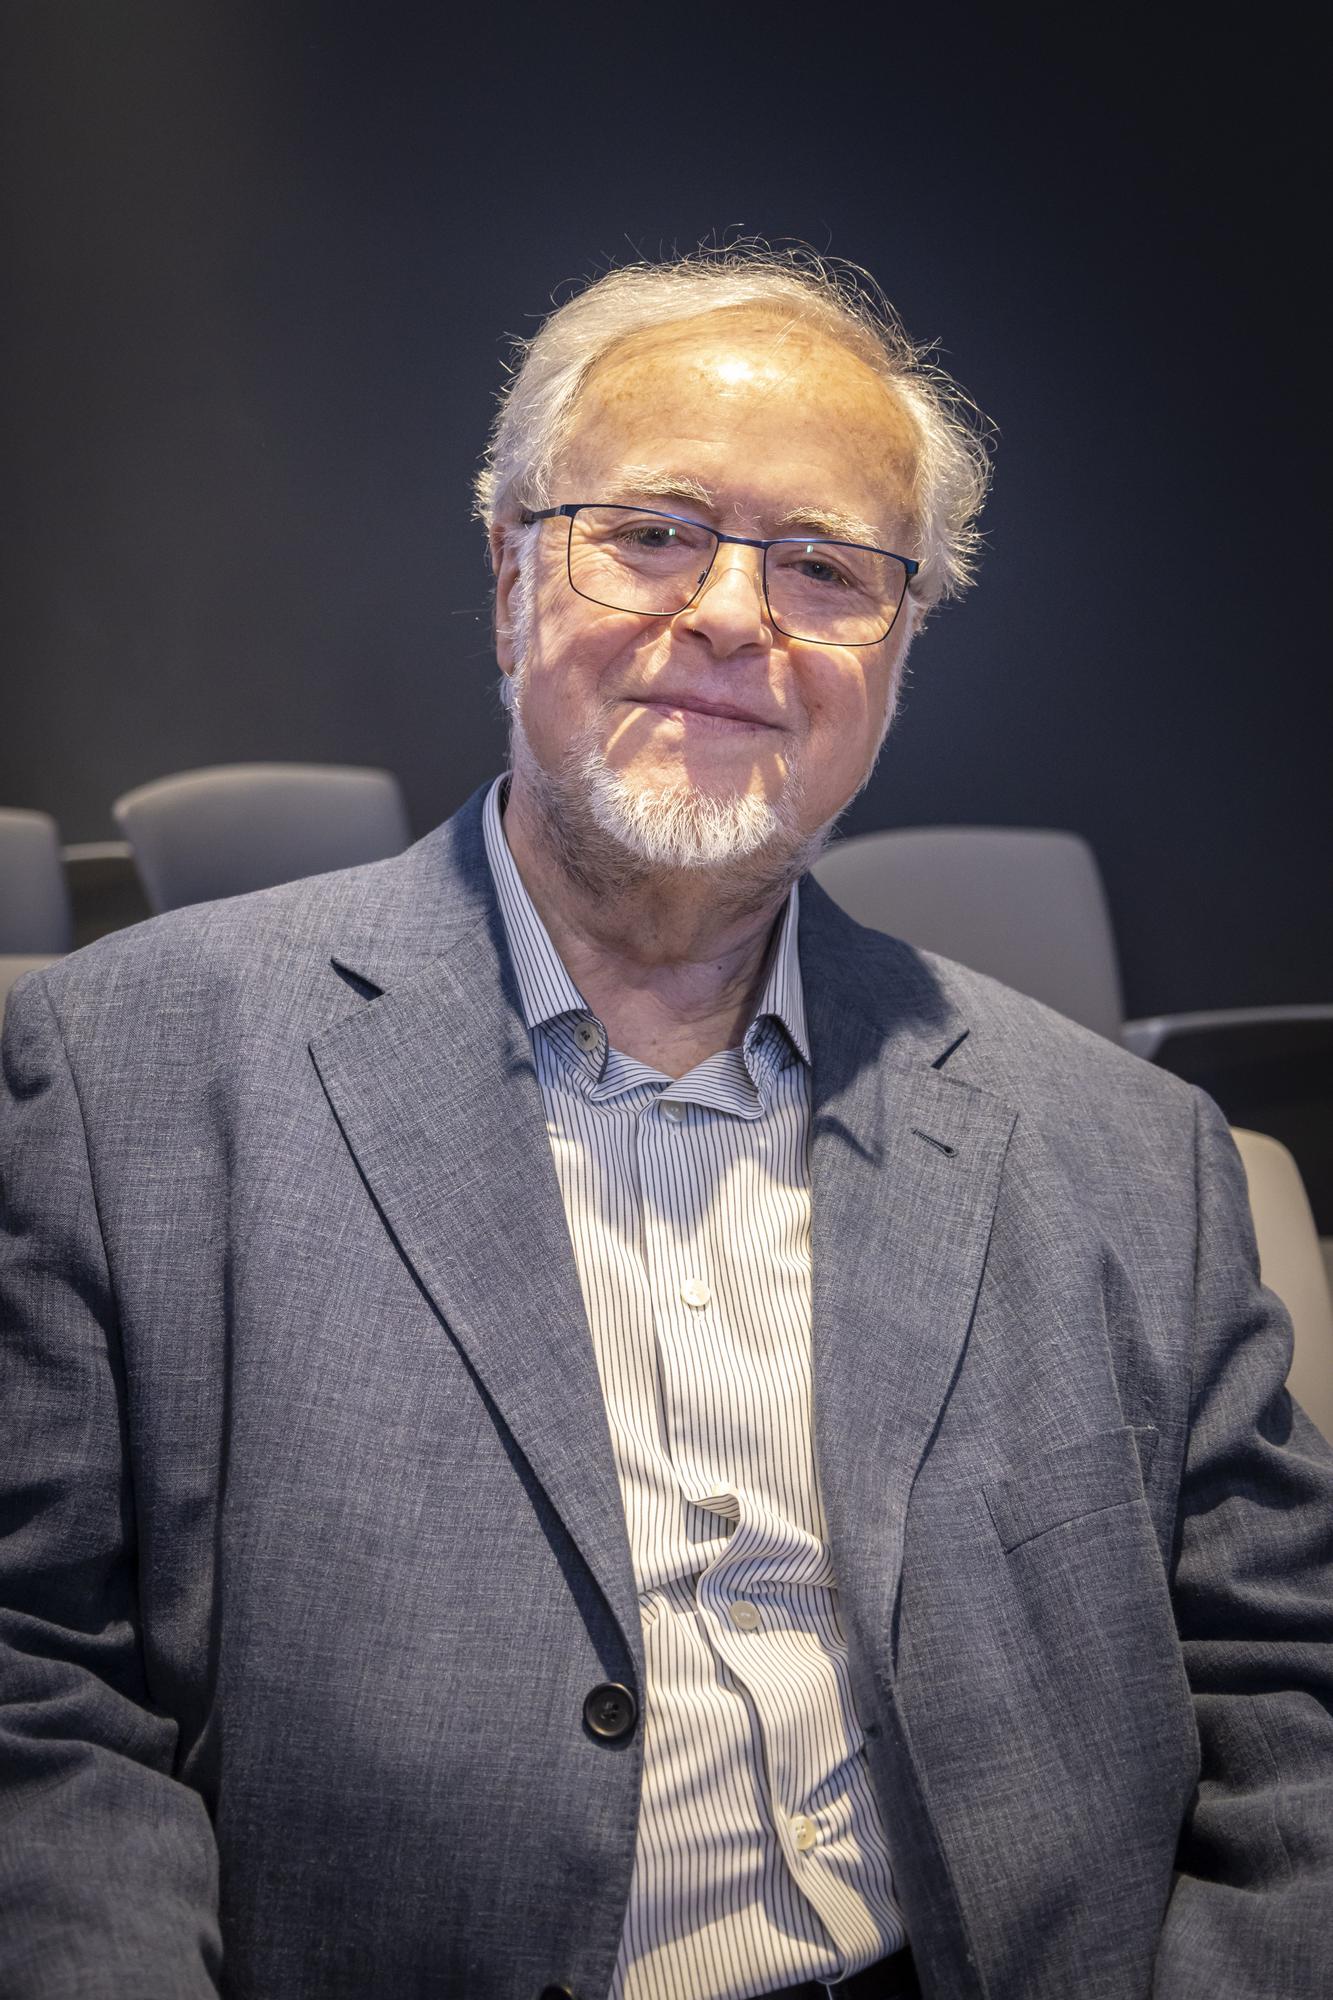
938,1144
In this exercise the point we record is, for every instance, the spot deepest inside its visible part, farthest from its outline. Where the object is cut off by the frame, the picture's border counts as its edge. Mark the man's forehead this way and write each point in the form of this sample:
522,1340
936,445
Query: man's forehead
653,410
739,347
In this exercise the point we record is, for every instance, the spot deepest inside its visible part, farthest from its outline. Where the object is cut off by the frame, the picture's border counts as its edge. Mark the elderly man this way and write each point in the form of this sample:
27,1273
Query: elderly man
579,1424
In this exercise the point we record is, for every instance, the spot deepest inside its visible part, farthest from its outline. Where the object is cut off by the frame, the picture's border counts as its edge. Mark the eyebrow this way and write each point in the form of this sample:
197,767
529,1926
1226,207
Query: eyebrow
639,482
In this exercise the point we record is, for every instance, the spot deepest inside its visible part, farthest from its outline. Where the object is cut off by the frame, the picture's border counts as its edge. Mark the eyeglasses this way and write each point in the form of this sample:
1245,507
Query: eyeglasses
635,559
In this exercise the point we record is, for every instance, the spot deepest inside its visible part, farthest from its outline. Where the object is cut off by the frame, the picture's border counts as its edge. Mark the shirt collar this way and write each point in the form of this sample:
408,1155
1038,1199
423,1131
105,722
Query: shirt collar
546,991
783,998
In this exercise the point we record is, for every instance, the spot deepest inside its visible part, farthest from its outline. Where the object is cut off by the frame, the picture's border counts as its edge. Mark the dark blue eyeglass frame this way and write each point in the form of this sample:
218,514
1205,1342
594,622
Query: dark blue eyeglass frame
529,515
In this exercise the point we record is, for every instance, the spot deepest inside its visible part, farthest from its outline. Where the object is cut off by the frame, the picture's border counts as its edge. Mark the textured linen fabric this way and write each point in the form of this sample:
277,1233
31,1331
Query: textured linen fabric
312,1545
760,1859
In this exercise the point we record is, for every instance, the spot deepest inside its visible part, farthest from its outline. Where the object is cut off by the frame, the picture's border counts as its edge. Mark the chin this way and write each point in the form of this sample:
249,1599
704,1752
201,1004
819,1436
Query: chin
675,823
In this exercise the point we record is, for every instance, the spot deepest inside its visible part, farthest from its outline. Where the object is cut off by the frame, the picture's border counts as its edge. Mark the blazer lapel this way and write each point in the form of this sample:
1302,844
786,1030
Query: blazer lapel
905,1174
433,1086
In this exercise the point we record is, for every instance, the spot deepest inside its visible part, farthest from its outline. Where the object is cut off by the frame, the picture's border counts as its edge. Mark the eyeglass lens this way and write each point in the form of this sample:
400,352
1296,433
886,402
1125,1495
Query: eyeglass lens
838,593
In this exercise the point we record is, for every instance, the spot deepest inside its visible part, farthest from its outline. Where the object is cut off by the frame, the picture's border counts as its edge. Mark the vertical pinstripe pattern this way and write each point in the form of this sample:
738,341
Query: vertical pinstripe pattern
761,1859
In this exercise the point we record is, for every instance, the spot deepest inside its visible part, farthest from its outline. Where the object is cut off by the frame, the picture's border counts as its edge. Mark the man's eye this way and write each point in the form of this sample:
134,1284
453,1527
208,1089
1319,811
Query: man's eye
817,569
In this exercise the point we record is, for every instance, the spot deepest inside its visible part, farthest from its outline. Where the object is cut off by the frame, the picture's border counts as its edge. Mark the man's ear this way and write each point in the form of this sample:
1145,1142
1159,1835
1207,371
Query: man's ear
504,566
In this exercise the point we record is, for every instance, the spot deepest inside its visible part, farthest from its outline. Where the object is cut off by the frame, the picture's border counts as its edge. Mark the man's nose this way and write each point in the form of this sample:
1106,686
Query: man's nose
730,610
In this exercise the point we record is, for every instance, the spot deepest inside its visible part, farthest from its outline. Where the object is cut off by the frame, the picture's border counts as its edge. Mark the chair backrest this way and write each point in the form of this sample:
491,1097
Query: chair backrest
34,900
1291,1263
1024,904
236,827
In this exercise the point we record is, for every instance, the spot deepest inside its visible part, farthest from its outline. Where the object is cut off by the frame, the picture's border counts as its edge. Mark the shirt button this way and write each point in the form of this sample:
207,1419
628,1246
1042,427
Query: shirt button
804,1833
586,1035
675,1112
695,1292
746,1617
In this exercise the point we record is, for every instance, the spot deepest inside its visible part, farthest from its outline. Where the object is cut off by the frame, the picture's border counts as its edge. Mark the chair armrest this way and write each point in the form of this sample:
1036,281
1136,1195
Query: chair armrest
1148,1036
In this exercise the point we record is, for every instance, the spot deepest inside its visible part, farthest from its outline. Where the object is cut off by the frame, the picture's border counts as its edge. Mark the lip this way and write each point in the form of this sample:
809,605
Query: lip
723,713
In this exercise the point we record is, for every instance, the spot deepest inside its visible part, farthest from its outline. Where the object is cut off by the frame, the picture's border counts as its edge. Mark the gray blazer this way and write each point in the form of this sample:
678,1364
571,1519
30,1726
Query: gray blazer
311,1544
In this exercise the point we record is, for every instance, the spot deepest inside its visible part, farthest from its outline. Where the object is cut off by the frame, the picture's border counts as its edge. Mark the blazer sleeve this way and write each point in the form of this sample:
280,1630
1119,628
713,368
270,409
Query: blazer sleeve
108,1865
1251,1914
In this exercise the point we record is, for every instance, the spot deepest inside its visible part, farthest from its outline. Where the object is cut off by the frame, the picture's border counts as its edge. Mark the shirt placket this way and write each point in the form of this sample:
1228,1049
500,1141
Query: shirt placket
741,1587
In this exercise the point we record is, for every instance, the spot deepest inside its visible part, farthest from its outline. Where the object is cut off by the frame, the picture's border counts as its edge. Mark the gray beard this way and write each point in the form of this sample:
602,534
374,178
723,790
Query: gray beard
612,837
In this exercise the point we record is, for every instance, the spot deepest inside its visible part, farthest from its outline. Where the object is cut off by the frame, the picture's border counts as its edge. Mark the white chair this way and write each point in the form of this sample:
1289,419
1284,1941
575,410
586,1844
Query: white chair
235,827
34,900
1292,1265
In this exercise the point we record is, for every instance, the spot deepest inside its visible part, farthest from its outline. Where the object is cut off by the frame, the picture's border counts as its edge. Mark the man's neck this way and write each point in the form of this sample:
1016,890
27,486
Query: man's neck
671,962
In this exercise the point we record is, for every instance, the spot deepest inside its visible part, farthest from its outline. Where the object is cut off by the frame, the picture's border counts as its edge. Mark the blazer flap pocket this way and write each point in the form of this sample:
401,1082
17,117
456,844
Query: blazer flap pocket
1070,1480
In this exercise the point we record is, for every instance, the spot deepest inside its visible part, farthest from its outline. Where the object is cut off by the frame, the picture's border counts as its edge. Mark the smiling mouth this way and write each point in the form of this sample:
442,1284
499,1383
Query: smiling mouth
717,715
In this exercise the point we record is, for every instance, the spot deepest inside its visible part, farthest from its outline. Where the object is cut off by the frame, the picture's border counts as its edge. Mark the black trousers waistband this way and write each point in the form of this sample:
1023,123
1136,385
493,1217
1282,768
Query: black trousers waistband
889,1979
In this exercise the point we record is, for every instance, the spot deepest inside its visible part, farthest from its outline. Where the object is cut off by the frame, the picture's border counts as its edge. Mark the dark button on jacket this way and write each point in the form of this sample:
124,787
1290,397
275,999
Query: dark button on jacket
610,1711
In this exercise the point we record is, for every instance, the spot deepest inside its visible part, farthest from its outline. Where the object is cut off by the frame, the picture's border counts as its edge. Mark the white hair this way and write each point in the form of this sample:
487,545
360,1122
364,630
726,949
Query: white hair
538,403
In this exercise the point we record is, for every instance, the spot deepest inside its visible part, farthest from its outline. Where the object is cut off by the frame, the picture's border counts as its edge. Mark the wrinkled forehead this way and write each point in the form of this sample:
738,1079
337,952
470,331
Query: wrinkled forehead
749,376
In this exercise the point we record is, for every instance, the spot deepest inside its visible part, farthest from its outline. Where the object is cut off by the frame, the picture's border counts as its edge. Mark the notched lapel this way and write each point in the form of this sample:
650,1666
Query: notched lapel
434,1089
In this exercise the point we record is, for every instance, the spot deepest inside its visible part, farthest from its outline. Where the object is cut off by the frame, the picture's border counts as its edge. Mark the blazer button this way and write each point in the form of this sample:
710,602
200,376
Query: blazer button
610,1711
557,1993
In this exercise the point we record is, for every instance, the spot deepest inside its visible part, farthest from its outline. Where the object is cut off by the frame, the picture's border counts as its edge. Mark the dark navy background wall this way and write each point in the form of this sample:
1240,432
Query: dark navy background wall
263,257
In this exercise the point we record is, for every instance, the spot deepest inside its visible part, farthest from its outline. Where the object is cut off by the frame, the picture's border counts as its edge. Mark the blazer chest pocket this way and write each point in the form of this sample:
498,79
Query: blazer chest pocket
1105,1469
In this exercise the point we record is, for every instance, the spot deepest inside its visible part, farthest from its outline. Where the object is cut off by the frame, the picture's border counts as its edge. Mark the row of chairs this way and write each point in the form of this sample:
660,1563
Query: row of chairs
1026,905
201,835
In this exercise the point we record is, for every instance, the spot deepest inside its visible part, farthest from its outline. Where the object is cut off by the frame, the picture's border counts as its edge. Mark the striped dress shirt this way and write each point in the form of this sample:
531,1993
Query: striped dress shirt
760,1859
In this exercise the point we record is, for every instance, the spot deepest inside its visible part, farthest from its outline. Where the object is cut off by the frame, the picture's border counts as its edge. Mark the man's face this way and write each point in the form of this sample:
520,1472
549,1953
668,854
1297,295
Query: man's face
757,428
